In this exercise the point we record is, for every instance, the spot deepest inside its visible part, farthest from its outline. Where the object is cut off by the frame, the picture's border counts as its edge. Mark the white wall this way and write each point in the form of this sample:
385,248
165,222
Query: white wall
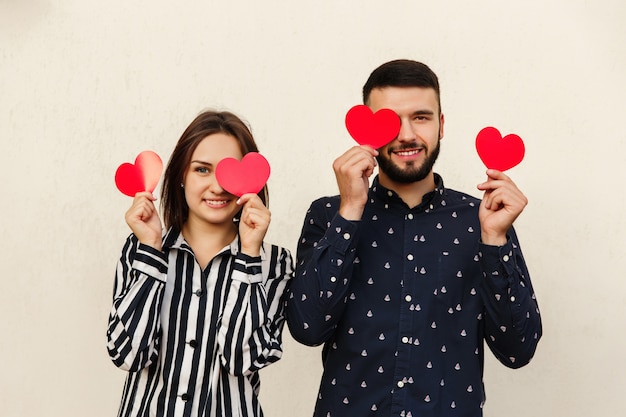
85,85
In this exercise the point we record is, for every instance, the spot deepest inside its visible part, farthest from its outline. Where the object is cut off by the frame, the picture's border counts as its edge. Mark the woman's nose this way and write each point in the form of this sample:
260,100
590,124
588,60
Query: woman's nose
214,186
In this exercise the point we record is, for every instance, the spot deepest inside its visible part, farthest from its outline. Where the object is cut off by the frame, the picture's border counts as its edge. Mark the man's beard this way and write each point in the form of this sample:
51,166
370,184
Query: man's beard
412,173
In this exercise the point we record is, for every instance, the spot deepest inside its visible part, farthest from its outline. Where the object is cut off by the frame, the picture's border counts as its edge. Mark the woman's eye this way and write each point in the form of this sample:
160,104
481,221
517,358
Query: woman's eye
202,170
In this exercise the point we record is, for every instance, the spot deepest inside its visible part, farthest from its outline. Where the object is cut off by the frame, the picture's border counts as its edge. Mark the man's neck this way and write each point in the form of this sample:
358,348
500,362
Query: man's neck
411,193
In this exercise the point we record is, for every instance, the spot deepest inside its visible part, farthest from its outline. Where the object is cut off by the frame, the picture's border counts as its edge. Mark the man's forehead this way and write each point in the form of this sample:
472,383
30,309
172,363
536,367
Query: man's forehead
404,98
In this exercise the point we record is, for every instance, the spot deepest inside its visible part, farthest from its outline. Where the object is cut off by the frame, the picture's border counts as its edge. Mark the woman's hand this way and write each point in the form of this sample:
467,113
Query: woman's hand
255,219
143,219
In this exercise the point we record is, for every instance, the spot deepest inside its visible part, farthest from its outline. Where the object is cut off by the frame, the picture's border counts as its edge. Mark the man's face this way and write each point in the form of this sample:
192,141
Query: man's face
411,156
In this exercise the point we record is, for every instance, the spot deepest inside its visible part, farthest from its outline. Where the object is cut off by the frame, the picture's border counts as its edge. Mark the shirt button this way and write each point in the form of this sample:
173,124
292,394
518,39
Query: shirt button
389,193
505,258
405,339
409,257
193,344
199,293
346,236
408,298
185,397
333,279
400,384
512,298
410,216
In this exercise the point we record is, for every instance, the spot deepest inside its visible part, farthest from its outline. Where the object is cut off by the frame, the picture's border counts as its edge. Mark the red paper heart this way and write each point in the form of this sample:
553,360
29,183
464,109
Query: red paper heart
499,152
242,177
142,176
374,129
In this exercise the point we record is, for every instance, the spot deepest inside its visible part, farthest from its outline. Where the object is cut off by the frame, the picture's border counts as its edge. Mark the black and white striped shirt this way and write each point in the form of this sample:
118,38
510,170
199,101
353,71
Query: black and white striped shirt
192,340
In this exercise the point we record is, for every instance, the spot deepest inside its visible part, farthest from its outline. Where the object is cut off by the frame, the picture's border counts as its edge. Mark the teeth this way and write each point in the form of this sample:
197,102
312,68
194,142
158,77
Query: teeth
407,153
216,202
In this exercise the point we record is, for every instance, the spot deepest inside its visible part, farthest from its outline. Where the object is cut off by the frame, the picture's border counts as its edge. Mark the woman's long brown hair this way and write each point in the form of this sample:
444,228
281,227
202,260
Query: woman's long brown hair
173,204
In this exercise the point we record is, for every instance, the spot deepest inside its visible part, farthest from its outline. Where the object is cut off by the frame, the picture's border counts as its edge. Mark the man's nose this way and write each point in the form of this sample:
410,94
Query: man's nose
406,132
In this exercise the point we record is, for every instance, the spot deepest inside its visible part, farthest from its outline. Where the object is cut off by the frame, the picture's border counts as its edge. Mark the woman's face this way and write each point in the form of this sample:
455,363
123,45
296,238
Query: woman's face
207,201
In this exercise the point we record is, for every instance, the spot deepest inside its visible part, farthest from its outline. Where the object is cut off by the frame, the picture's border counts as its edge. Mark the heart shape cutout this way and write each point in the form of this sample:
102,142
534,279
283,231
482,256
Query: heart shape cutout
242,177
499,152
373,129
144,175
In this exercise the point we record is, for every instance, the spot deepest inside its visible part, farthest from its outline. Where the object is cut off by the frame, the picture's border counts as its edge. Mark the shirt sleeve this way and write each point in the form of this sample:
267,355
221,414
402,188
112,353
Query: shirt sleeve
513,324
250,335
134,321
325,262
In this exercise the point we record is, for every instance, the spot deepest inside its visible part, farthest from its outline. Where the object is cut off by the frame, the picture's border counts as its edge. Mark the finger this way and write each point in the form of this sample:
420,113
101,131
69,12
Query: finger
487,199
495,175
251,200
140,215
362,149
148,212
356,164
141,210
494,202
254,224
498,183
347,161
507,197
260,215
498,175
146,205
142,201
369,149
145,195
356,153
491,185
255,221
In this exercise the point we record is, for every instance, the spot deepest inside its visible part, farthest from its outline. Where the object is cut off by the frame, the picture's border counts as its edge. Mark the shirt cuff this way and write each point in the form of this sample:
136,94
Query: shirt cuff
151,262
247,269
341,233
498,261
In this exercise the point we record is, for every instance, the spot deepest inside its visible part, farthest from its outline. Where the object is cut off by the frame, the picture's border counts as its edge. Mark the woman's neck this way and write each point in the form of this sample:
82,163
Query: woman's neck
207,240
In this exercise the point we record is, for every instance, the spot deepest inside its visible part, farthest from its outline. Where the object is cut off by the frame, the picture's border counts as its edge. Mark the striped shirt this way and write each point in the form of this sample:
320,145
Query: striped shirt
192,340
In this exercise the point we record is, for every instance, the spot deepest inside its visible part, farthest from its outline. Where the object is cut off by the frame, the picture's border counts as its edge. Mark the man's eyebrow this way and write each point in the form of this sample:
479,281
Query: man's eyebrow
423,112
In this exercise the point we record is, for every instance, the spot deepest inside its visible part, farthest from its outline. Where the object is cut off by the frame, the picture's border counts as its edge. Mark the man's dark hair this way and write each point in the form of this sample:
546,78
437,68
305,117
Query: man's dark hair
402,73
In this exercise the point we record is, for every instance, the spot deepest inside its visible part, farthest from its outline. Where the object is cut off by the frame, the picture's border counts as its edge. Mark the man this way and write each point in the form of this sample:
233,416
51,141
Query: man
402,281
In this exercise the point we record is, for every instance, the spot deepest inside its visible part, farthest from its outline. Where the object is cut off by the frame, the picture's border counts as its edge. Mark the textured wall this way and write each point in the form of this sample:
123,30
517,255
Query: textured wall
86,85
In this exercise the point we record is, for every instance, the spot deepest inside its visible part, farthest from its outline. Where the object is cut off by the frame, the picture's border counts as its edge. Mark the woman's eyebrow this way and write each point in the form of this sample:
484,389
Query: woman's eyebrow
201,162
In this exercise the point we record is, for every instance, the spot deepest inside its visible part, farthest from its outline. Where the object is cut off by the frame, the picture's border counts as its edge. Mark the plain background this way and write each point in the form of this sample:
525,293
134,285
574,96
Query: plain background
86,85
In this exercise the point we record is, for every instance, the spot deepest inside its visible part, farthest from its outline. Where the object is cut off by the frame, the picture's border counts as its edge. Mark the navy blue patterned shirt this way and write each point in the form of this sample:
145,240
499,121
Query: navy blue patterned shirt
402,301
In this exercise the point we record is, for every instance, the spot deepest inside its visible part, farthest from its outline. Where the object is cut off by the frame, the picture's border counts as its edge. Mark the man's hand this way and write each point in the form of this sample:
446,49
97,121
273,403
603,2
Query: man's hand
502,203
352,170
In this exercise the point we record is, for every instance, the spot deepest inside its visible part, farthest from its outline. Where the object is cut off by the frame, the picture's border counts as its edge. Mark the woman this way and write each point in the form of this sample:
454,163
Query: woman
198,311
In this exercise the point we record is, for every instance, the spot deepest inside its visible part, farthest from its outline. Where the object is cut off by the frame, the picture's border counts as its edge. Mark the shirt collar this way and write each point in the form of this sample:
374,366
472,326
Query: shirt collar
174,239
430,201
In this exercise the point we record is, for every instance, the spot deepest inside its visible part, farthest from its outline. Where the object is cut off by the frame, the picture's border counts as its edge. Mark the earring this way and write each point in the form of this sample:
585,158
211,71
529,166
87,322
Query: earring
182,185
